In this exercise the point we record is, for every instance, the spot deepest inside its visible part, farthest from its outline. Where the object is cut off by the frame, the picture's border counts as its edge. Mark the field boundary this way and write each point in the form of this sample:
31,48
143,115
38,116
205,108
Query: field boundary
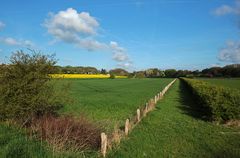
107,143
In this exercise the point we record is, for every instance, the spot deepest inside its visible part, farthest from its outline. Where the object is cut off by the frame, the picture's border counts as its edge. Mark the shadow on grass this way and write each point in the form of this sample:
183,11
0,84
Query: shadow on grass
190,107
189,104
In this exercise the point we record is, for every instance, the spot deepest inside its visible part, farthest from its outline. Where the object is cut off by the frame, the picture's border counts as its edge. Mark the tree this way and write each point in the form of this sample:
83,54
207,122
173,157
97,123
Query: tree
139,74
103,71
170,73
112,76
26,90
119,72
154,73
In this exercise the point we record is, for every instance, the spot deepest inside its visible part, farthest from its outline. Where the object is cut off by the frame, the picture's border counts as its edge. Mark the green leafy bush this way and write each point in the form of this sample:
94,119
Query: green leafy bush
222,103
26,90
112,76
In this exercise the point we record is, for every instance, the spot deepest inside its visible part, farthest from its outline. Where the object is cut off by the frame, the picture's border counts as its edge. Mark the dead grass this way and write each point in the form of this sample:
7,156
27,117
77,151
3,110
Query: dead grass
233,123
67,133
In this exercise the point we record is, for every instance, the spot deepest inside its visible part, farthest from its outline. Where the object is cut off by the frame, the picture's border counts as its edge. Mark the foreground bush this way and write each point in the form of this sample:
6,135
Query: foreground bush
222,103
25,88
67,133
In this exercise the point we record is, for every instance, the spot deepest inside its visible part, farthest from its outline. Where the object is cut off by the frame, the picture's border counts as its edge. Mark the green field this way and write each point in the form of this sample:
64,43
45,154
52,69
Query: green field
231,83
15,143
175,129
111,101
101,100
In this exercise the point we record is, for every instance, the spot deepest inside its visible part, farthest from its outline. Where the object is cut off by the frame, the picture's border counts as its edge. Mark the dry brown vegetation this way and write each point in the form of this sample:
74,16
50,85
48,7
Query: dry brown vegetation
67,133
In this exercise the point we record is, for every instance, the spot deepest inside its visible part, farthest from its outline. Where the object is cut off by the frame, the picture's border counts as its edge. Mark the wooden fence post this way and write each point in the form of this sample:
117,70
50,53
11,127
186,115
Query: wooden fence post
138,115
126,127
103,144
145,110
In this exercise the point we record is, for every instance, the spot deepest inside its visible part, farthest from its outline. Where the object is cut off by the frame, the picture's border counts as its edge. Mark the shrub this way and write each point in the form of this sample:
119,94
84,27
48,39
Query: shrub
25,88
67,133
222,103
112,76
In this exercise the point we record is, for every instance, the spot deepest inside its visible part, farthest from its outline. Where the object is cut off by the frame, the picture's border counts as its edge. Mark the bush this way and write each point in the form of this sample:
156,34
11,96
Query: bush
222,103
25,88
67,133
112,76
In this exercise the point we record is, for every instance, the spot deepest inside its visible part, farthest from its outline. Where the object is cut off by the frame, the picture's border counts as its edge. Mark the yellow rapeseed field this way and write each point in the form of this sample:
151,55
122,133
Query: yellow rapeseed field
83,76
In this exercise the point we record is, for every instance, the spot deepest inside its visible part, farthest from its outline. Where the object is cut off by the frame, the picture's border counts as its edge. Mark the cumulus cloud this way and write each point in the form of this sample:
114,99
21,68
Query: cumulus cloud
73,27
231,52
14,42
81,29
2,25
226,9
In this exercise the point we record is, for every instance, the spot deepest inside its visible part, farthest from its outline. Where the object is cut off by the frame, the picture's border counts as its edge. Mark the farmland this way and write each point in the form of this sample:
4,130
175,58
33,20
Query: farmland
175,129
106,101
110,101
231,83
120,79
86,76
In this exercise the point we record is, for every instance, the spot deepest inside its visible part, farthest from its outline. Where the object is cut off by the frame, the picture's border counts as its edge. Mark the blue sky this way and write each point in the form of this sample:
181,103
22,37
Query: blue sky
132,34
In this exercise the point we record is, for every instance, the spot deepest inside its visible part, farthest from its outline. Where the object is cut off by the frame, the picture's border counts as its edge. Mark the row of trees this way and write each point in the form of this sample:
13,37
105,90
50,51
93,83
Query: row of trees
227,71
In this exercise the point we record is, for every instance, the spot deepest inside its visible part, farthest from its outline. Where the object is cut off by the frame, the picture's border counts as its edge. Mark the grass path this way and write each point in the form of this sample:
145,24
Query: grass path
175,129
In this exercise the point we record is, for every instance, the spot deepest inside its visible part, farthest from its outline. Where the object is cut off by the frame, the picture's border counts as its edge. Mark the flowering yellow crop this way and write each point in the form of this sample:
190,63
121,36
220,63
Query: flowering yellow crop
83,76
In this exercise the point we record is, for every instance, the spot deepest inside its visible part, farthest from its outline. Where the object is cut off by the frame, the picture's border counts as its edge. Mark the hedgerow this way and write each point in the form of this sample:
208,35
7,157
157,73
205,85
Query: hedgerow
222,103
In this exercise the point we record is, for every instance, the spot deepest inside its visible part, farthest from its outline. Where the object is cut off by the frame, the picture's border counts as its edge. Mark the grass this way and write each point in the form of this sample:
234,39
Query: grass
99,99
176,129
231,83
14,143
111,101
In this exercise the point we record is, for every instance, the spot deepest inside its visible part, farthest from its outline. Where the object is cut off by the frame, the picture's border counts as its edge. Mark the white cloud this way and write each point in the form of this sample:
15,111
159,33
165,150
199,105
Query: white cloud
80,29
118,56
72,22
226,9
9,41
231,52
2,25
73,27
119,53
91,44
126,65
14,42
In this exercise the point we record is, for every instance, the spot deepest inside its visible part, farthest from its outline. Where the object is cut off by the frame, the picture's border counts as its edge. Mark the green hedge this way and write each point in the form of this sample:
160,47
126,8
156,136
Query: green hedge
222,103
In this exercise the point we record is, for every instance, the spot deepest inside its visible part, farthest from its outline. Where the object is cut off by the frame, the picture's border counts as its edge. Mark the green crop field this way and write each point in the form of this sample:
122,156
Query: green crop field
231,83
175,129
111,101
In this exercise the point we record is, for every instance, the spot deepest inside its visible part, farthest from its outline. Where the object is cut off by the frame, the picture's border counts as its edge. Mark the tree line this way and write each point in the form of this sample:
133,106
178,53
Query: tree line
226,71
